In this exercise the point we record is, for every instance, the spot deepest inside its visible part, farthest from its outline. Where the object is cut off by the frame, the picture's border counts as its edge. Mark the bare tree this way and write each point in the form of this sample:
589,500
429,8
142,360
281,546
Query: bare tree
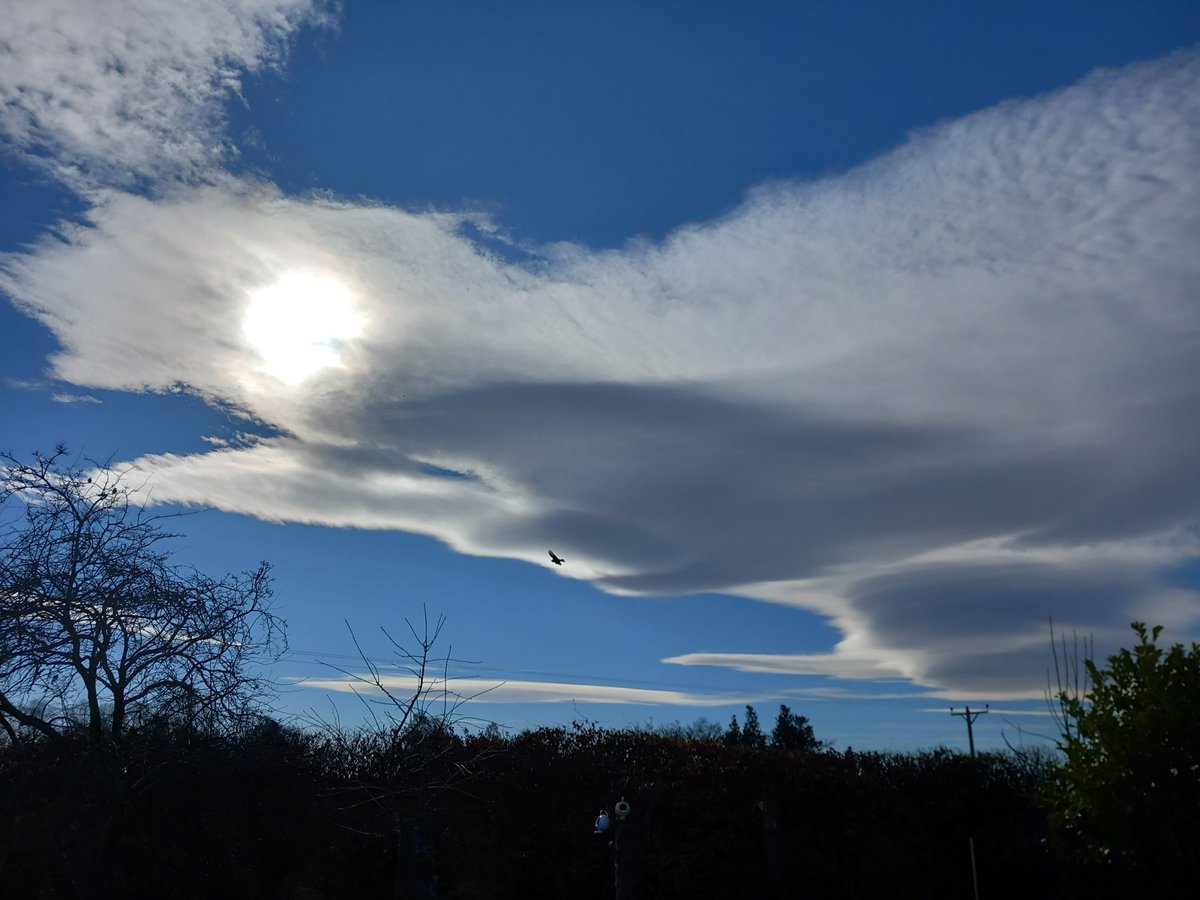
98,628
412,711
1071,682
388,777
425,701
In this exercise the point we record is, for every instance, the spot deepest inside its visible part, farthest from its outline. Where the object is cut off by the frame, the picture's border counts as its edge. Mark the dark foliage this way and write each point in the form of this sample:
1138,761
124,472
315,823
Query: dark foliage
793,732
1126,798
276,812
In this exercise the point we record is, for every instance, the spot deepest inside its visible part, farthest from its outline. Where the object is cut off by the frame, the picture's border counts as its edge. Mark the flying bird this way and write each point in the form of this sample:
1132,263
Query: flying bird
557,560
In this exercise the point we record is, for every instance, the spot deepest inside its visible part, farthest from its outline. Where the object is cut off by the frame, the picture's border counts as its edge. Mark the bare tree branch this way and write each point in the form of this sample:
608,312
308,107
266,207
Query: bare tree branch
94,613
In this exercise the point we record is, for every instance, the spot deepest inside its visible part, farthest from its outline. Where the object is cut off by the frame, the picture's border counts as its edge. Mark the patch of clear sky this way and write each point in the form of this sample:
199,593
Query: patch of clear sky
597,123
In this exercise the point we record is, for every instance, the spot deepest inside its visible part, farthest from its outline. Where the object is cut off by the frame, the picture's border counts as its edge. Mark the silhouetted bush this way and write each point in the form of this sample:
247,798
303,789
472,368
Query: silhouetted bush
273,811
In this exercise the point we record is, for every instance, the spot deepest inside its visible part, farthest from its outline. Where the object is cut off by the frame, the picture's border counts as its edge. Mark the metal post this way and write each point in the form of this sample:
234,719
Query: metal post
974,874
617,861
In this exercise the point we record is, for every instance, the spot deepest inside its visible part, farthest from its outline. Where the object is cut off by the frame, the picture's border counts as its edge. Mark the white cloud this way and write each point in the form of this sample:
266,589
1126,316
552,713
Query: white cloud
23,384
938,399
74,399
110,92
495,690
489,690
837,665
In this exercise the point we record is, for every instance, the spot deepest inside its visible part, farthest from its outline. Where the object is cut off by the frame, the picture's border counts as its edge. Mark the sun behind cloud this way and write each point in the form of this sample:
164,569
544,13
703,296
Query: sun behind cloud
298,324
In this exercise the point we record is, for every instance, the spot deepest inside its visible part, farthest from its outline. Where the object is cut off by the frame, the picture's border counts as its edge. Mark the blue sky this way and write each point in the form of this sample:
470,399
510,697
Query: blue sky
836,346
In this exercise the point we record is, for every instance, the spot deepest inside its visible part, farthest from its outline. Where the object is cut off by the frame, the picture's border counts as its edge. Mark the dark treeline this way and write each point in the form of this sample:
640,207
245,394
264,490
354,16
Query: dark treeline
275,811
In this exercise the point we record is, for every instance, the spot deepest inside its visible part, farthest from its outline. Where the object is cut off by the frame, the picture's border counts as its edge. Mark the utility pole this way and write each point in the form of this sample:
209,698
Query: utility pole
970,718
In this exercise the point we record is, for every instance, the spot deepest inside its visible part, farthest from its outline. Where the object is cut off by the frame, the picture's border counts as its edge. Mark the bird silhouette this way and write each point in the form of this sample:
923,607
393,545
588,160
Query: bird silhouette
557,560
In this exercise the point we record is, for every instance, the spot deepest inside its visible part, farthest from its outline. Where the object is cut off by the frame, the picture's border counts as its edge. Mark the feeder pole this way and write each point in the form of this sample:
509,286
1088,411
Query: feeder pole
970,717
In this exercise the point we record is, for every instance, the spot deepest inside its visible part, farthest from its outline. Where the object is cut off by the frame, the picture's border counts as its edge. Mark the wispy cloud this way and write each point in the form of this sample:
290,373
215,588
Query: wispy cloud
490,690
938,399
498,690
838,665
132,91
74,399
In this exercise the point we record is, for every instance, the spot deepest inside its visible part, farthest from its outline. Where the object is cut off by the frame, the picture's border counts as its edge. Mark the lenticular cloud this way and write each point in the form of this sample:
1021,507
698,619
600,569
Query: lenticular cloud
937,399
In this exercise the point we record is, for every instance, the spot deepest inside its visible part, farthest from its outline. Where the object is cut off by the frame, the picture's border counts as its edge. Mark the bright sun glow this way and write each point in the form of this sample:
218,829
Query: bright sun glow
297,324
